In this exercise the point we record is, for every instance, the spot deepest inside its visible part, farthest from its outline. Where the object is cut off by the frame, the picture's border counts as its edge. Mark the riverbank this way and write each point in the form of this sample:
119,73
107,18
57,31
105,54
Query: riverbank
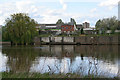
47,75
5,43
75,40
79,40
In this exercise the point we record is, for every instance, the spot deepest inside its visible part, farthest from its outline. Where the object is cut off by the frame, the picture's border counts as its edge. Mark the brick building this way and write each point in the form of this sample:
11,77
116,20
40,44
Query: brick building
67,28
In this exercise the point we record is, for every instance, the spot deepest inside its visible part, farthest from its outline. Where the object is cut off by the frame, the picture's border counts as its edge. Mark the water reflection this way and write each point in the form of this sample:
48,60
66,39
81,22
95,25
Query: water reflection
3,61
19,58
84,60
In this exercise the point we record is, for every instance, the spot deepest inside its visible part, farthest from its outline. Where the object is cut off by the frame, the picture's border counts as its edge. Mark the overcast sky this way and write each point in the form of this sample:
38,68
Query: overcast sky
49,11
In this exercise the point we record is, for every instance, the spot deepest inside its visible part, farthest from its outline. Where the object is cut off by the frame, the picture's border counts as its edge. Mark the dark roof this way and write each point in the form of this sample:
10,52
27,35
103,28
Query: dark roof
50,24
47,24
79,26
43,26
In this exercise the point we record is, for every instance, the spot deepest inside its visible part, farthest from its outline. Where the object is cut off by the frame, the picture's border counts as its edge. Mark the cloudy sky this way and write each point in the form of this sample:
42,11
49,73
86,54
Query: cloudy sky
49,11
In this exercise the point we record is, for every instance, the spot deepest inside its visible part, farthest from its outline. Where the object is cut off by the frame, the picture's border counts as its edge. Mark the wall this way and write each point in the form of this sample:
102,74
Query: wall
80,40
45,39
98,40
58,39
68,39
67,28
37,40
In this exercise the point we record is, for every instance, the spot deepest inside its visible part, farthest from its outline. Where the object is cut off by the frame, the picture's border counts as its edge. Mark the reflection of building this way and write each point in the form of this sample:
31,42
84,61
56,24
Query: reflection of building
86,25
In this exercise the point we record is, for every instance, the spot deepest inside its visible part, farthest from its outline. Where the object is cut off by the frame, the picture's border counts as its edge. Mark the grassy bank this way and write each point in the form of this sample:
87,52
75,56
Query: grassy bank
78,35
45,75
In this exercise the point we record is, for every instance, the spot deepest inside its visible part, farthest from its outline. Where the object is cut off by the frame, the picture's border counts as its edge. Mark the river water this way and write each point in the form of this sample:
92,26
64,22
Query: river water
98,60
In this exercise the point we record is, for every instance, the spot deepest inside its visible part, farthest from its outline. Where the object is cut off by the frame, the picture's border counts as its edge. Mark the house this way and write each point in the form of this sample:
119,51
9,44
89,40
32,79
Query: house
90,30
86,25
79,26
67,28
48,28
44,26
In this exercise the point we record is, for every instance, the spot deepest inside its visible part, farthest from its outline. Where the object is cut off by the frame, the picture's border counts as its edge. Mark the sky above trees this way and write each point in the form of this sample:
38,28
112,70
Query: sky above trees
49,11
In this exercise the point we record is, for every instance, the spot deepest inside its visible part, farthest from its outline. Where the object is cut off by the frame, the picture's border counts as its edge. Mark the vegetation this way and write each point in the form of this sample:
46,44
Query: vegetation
0,34
81,31
47,75
59,22
19,29
72,20
108,24
45,35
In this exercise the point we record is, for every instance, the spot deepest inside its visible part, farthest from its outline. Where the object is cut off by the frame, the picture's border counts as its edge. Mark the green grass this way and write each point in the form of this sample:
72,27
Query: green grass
88,35
44,35
45,75
77,35
103,35
50,29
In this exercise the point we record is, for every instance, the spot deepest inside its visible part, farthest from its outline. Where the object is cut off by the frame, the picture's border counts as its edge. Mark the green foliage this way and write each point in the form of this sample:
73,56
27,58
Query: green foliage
59,21
81,31
19,29
44,75
72,20
108,24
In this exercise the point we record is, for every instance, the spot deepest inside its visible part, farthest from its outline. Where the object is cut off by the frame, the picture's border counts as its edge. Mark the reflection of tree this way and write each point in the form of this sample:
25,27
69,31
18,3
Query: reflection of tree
20,58
101,52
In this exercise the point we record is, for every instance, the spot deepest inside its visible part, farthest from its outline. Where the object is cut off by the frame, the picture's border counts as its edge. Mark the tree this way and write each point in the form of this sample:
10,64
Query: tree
73,21
107,24
118,28
20,29
82,31
98,24
59,22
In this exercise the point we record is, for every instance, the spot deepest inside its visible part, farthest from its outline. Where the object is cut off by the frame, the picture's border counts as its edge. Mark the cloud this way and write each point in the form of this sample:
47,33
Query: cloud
63,4
23,5
93,10
46,14
109,3
41,14
8,8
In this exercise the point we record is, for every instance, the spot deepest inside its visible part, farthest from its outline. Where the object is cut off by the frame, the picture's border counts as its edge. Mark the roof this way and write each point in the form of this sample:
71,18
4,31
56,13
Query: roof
79,26
88,29
47,24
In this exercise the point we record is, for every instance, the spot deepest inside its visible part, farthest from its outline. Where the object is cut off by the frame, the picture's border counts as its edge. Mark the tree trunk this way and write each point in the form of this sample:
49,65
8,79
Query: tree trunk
26,43
15,44
33,43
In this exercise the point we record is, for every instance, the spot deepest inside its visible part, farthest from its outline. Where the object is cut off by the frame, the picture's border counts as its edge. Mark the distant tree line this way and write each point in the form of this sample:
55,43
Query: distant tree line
60,22
19,29
108,24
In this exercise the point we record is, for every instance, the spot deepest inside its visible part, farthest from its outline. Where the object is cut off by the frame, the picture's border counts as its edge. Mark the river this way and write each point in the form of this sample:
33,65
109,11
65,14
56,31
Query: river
99,60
